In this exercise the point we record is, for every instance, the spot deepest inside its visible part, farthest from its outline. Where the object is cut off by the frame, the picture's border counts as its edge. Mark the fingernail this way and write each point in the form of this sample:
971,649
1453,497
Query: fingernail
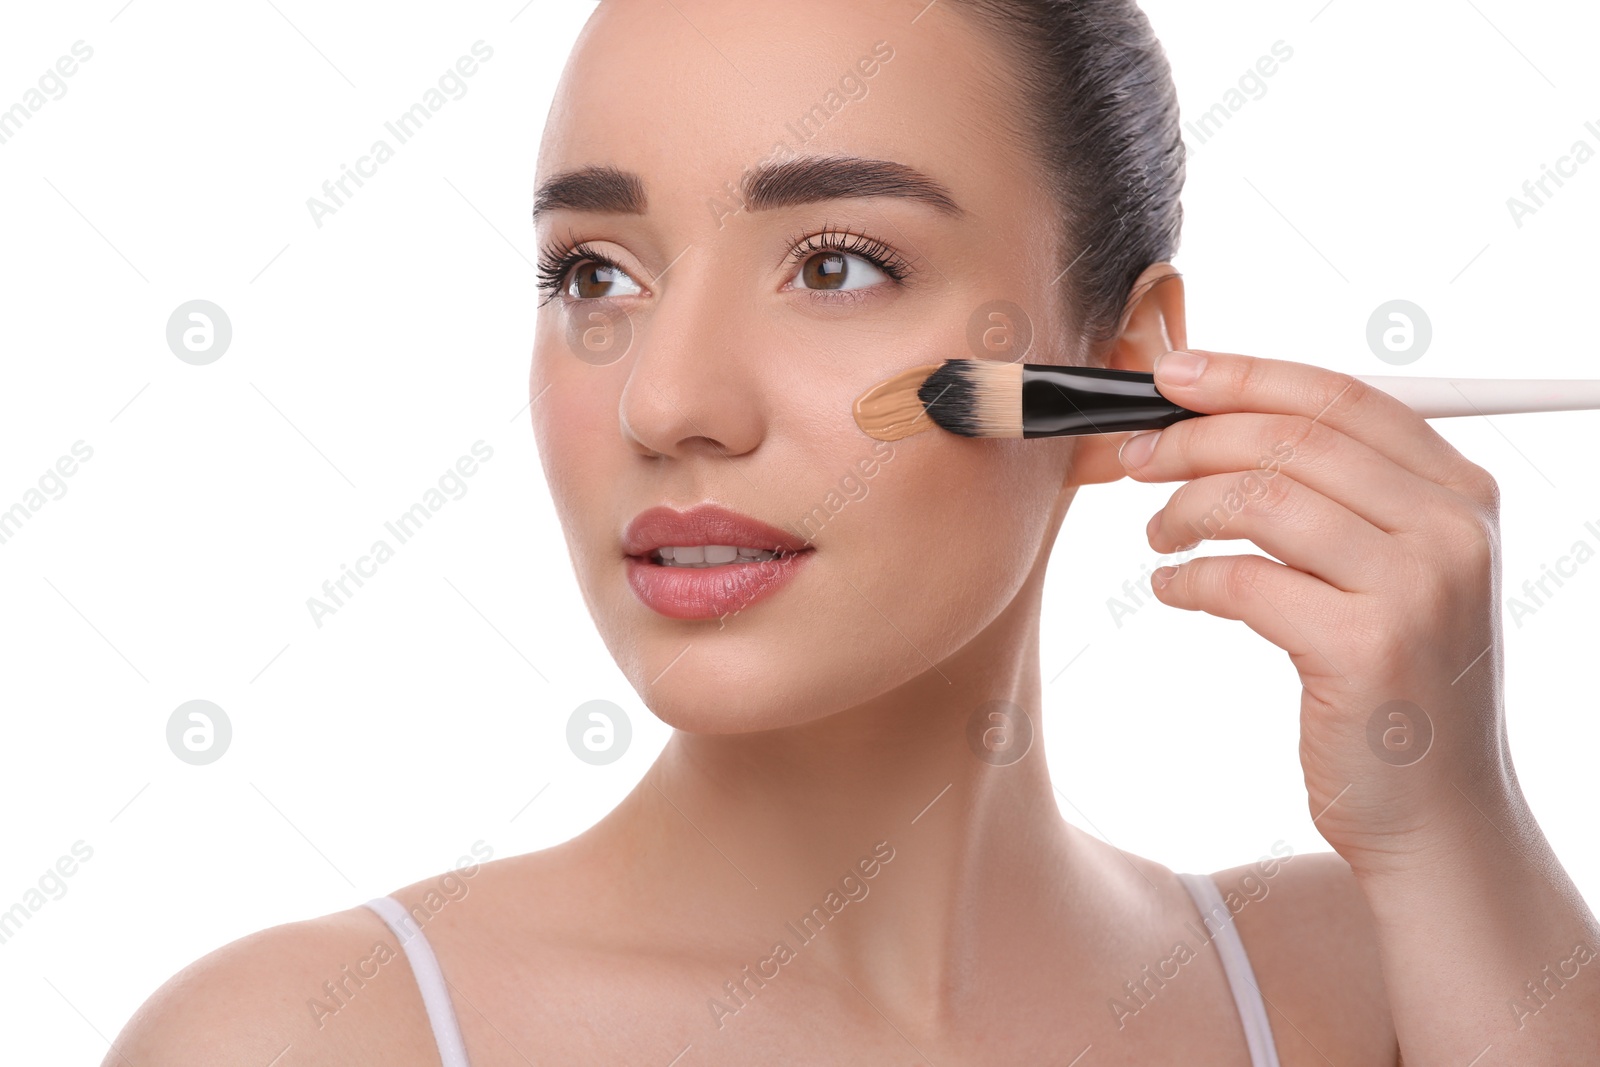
1151,526
1179,368
1136,451
1163,575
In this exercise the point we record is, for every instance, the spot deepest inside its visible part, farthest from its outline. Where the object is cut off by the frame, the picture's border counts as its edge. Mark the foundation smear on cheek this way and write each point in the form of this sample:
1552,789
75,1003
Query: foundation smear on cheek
891,410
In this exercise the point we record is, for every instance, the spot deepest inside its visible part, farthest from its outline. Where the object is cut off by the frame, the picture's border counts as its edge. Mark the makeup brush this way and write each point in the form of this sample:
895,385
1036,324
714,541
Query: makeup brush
987,398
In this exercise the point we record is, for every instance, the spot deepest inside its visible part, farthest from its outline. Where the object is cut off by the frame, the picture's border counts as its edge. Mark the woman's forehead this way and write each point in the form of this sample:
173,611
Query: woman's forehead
700,91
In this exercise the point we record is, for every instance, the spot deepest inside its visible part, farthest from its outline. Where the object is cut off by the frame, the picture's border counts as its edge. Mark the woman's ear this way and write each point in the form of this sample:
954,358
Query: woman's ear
1152,323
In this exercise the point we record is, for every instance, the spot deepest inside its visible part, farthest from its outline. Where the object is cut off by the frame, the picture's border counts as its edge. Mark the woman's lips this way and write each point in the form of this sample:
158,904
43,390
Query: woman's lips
707,592
703,524
710,592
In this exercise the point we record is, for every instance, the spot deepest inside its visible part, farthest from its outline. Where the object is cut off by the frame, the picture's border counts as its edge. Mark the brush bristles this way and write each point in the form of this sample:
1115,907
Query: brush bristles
975,397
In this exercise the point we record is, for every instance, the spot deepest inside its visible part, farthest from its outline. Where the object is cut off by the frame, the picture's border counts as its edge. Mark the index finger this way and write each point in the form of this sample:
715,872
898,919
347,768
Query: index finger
1218,382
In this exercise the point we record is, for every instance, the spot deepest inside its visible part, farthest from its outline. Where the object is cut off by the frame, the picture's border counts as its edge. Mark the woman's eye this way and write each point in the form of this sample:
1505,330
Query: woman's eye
592,281
838,270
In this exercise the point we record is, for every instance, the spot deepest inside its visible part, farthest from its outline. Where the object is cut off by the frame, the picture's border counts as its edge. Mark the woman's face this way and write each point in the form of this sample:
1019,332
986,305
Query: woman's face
719,358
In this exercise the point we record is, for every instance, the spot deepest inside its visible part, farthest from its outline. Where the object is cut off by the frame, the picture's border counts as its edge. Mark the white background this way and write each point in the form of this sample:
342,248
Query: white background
370,353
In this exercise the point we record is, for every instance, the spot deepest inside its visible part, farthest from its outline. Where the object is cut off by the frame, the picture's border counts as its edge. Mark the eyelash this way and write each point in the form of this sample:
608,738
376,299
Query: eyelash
870,249
557,261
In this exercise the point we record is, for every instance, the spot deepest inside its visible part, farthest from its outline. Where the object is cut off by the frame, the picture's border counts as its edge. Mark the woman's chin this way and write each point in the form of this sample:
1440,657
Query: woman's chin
726,717
721,690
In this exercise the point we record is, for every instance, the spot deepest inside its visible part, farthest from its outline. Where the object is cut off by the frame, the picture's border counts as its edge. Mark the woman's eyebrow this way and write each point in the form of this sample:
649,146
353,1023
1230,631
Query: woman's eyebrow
809,179
813,178
601,188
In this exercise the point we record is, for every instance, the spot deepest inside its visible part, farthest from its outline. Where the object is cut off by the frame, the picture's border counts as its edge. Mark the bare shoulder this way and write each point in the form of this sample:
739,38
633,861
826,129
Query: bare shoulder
1309,934
303,994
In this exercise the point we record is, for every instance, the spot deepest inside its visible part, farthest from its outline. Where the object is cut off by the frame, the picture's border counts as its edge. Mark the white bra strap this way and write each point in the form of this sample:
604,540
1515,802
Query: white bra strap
430,980
1241,977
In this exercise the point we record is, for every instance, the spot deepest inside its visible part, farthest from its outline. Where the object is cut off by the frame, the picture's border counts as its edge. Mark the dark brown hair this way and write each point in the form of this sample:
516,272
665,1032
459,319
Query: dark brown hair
1100,112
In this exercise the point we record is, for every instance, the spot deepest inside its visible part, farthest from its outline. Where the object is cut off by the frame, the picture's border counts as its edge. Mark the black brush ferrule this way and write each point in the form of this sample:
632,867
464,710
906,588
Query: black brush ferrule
1068,401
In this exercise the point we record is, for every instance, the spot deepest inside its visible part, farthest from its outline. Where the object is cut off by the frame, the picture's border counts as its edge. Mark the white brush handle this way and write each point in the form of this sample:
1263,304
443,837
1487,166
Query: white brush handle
1437,398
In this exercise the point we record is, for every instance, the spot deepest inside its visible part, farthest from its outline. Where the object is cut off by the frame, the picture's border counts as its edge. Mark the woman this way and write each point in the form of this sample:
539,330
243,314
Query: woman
748,215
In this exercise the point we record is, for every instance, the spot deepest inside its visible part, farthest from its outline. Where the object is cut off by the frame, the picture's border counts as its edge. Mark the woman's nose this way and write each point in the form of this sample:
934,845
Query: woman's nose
694,383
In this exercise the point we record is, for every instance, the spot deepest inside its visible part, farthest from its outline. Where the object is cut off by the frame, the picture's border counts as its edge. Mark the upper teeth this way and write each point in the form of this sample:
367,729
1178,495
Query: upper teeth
710,555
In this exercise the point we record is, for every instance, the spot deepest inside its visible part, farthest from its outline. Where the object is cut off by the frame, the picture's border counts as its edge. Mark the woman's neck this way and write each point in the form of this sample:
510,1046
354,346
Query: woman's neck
931,854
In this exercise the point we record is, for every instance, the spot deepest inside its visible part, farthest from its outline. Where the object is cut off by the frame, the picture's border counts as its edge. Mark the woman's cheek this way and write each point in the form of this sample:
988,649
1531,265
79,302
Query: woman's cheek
972,515
576,409
1009,510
